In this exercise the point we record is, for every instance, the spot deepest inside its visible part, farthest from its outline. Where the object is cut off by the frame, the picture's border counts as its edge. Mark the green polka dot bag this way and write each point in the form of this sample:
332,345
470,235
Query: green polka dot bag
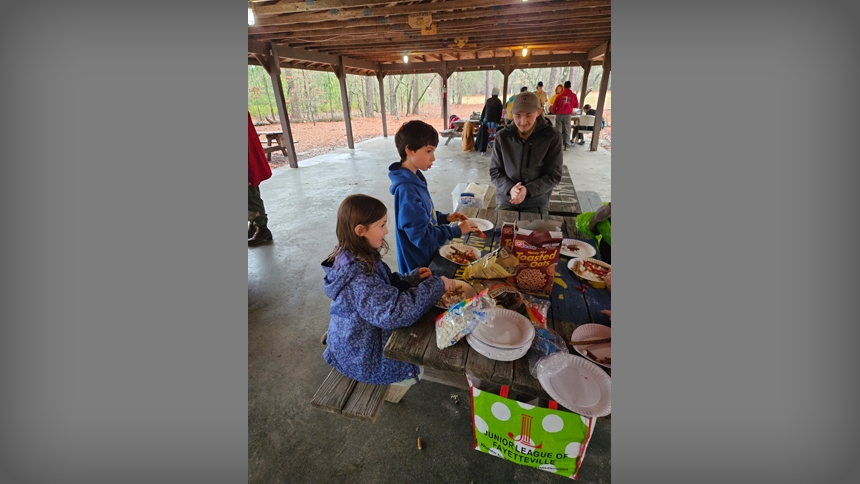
550,439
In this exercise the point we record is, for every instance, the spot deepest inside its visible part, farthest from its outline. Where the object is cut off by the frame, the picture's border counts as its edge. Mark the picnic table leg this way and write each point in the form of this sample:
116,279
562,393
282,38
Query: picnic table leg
283,145
268,144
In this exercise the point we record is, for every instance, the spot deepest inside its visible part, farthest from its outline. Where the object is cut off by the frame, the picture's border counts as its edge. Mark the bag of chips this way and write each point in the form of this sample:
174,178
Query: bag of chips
498,264
462,318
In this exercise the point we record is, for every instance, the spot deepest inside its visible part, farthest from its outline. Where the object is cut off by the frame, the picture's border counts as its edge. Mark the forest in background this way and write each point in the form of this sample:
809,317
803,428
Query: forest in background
313,96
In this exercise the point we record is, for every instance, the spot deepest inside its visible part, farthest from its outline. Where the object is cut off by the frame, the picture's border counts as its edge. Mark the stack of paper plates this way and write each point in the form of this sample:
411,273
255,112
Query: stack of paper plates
506,336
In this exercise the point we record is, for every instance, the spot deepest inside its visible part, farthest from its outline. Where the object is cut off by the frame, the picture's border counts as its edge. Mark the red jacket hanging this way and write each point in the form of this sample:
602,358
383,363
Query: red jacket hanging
258,167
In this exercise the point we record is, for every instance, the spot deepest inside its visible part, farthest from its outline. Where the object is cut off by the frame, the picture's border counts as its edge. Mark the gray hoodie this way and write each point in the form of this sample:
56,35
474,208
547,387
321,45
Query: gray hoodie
536,162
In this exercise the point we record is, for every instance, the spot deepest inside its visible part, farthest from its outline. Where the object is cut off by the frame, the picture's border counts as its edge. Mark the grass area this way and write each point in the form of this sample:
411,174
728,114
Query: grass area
590,98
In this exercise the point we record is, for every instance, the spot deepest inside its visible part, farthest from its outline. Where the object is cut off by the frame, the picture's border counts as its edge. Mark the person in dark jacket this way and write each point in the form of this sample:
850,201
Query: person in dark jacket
527,159
577,130
368,301
491,116
420,228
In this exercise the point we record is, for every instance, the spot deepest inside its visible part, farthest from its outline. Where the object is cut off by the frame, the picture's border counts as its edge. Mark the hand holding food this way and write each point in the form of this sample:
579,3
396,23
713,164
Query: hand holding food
424,272
449,284
608,281
457,217
467,226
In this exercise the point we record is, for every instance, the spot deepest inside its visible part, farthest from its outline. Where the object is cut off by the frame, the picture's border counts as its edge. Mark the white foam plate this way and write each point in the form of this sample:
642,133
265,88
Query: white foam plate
587,275
505,329
447,249
576,383
493,353
583,249
594,331
483,225
468,291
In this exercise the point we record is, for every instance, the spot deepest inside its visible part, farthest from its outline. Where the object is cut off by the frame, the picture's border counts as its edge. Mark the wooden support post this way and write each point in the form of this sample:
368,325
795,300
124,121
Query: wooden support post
444,73
586,67
344,99
274,69
381,77
604,85
506,72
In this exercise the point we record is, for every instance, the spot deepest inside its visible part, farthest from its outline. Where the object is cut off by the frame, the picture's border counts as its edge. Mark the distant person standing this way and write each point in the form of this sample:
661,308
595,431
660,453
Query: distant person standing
258,170
541,94
558,90
491,116
563,108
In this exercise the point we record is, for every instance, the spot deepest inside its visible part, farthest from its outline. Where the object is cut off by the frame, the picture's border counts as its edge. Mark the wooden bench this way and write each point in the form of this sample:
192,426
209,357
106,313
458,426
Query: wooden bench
361,401
450,133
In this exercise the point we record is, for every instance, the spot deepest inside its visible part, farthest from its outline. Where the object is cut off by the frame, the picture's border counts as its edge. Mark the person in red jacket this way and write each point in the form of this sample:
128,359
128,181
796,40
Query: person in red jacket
258,170
563,108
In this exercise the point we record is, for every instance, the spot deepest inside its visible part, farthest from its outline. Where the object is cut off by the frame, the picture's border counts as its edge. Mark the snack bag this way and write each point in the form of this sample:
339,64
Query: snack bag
462,318
536,310
498,264
536,244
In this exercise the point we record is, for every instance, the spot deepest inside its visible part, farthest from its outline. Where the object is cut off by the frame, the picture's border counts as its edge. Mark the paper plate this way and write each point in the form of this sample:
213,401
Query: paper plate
583,249
446,251
493,353
505,329
576,383
593,331
575,266
483,225
468,291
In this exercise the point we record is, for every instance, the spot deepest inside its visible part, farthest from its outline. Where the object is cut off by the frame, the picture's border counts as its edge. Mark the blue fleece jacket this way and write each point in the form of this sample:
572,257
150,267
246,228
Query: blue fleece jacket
365,309
419,233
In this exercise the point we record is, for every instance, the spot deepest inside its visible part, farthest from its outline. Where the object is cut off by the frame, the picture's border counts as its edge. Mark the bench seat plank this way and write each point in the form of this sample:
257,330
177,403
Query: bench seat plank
364,402
334,392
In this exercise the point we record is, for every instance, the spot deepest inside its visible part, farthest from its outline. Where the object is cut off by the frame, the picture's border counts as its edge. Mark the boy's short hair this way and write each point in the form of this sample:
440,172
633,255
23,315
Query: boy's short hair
567,84
415,135
586,107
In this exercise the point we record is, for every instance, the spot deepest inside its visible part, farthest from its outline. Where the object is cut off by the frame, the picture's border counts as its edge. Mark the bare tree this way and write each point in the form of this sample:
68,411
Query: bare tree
551,83
488,78
368,99
328,89
308,99
414,91
292,95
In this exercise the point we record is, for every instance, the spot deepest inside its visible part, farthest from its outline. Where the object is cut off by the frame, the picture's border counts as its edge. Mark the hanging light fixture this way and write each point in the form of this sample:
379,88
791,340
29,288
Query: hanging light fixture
405,58
251,19
525,51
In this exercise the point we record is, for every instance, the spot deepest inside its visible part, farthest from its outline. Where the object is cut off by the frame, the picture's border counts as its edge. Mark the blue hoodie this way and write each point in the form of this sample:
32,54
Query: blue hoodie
365,309
418,233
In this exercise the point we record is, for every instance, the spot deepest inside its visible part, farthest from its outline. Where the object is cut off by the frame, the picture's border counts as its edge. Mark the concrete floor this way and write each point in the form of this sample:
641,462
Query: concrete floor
290,441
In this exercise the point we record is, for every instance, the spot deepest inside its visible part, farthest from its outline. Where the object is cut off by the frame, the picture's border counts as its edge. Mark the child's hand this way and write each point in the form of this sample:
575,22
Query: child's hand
608,280
424,273
467,226
449,284
607,312
457,217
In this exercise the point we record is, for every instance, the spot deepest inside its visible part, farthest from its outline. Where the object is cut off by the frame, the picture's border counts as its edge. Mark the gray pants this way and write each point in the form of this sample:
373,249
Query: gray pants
562,124
255,204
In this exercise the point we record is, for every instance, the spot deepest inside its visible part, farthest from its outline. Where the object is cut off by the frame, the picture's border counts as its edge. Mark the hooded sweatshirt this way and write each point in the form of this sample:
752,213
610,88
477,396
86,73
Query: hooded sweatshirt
365,309
535,161
418,233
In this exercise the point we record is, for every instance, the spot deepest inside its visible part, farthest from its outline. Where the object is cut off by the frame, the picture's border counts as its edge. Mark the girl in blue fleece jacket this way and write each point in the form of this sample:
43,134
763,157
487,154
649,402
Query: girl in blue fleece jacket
368,301
419,233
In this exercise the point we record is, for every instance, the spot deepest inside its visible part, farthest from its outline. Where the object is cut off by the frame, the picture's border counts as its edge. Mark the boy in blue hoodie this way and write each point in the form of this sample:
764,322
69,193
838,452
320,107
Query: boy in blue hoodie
419,233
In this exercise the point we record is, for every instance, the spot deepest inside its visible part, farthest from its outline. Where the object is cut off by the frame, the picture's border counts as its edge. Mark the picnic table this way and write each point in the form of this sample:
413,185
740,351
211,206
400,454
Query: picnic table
278,138
569,308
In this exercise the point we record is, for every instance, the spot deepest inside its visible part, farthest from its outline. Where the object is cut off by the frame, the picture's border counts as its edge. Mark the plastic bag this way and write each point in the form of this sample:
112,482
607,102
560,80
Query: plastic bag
498,264
462,318
536,310
546,342
582,222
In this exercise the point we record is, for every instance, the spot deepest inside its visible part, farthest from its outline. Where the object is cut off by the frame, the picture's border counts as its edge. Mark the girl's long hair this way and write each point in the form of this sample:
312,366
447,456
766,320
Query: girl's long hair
357,210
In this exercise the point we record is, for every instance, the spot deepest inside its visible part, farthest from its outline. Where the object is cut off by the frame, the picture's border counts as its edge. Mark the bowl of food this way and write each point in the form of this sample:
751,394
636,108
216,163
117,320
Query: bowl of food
592,270
461,292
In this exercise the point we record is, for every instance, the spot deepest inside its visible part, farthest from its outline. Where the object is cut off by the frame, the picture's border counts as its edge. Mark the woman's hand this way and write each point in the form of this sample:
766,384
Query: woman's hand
424,272
457,217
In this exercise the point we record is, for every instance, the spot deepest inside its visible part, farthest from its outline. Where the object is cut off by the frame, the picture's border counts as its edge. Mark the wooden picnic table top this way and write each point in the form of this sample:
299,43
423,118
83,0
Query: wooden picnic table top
569,308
